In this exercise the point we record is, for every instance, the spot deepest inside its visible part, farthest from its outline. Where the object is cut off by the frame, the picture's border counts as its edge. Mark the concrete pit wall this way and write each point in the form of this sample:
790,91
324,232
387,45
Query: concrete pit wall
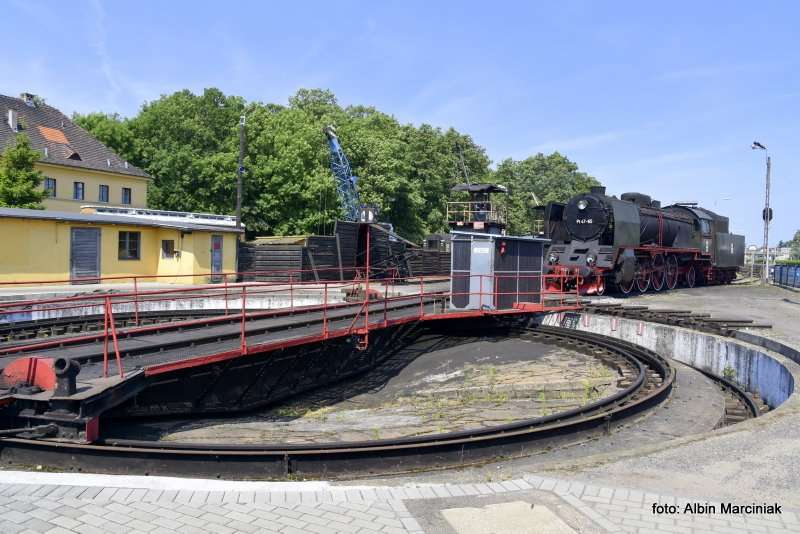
770,376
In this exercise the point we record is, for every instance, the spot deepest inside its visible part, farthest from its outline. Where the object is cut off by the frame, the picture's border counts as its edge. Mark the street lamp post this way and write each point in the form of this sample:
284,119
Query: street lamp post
766,215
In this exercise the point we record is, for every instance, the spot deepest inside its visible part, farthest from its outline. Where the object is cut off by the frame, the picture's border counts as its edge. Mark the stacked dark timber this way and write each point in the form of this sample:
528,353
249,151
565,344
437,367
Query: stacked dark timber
337,257
320,255
428,262
270,261
380,253
347,232
383,252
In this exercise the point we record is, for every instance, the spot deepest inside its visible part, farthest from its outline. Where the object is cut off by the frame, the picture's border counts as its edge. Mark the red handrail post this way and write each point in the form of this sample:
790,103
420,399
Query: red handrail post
105,338
366,292
385,299
325,312
243,343
421,291
291,291
226,294
136,300
111,320
422,298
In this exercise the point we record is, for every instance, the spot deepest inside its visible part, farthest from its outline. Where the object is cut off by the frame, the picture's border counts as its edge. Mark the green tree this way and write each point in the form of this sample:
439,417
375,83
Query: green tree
435,158
795,244
112,131
19,180
189,144
538,180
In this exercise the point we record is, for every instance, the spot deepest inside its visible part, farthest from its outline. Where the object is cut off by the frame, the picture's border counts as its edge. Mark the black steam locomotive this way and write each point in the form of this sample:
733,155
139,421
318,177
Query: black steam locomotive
633,244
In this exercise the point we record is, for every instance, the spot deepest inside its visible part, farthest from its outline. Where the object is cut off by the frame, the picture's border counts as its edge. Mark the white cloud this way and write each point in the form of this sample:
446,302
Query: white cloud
663,160
710,71
98,41
577,143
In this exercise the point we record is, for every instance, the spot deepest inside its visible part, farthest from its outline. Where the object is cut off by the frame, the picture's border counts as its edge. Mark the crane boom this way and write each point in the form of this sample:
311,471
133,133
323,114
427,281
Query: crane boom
345,181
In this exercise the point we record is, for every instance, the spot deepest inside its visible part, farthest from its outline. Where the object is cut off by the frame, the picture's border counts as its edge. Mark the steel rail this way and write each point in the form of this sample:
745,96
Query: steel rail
374,456
735,389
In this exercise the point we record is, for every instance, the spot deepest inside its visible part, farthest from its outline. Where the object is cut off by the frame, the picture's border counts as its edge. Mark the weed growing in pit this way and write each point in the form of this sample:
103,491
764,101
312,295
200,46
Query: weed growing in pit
320,414
587,391
729,372
543,401
290,411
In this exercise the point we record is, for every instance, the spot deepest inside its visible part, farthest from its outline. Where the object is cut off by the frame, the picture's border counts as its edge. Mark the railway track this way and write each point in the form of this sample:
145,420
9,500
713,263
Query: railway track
703,322
48,328
740,405
646,380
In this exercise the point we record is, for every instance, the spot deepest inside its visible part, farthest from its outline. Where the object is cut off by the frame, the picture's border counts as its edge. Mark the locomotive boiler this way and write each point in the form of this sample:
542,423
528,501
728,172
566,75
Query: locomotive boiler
632,243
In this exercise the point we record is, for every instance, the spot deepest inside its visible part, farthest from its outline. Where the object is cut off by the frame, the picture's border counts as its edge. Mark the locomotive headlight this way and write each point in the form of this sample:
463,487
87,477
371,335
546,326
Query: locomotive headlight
590,260
583,204
552,259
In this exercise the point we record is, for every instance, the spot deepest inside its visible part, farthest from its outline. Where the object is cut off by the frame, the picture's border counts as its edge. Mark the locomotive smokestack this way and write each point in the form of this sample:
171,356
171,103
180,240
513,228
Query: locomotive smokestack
597,190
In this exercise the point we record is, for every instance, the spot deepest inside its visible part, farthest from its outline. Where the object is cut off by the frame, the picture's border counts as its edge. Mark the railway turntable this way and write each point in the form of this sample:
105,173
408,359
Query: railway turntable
94,357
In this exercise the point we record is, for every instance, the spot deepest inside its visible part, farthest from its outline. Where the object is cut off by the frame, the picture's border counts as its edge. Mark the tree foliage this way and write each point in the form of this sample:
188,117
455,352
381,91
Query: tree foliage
189,144
19,180
537,180
795,246
112,131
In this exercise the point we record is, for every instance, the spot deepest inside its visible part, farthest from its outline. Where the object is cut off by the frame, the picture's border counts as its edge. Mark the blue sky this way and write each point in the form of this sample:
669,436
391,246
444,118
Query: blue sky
660,98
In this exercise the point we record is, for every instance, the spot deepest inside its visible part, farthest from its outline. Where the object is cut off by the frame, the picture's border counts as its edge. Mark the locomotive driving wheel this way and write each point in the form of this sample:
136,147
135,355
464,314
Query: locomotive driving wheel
643,275
599,284
691,276
671,272
658,272
627,287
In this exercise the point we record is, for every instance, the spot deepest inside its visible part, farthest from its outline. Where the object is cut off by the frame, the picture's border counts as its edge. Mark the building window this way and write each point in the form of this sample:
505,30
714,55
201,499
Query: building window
102,196
126,195
50,187
129,245
77,190
168,248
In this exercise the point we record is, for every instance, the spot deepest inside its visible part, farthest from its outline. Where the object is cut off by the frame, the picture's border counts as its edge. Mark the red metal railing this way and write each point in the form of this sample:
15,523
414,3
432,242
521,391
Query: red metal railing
430,292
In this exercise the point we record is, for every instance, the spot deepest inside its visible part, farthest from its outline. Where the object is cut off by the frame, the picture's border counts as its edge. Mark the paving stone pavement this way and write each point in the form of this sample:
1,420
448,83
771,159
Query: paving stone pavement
58,506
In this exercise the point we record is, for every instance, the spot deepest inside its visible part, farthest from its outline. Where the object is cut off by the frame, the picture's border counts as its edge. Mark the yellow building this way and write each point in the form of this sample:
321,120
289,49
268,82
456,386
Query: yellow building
78,168
43,245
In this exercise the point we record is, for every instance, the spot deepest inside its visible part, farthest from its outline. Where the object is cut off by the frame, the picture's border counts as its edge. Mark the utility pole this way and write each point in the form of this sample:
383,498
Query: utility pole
767,218
766,215
239,173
